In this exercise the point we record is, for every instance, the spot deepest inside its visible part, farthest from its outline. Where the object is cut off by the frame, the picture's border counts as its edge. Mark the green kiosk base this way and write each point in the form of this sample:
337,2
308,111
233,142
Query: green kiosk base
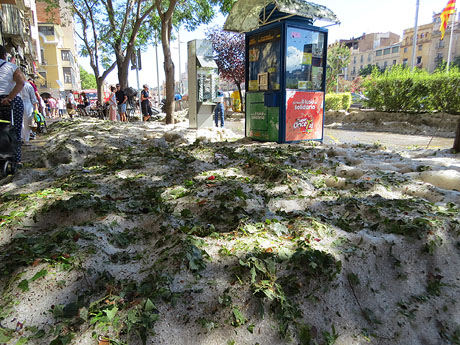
262,116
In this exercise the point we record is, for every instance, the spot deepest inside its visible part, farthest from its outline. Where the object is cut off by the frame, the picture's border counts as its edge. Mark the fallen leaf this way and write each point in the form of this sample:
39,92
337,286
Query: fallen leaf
36,262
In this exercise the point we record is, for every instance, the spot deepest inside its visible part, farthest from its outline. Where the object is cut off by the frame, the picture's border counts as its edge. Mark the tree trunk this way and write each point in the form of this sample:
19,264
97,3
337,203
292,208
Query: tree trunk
169,70
123,63
100,95
457,138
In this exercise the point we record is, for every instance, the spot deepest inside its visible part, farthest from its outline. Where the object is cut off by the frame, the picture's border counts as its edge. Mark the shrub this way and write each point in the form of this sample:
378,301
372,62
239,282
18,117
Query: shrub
346,100
400,89
338,101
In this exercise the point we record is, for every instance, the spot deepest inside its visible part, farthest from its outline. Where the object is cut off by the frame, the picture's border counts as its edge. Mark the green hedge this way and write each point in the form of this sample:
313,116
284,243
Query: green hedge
401,90
338,101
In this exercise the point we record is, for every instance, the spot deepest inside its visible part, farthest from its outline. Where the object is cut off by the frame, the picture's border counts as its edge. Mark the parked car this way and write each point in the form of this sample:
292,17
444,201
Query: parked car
358,100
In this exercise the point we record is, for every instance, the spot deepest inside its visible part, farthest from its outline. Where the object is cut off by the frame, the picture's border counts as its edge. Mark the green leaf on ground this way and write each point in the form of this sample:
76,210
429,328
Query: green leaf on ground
111,313
24,285
239,318
38,275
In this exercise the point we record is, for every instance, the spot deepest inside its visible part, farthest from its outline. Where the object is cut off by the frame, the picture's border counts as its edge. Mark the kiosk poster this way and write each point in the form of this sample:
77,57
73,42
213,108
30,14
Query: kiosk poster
304,115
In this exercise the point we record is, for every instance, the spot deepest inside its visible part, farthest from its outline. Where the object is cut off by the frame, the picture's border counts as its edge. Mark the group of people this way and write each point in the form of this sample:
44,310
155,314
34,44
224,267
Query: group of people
117,104
118,101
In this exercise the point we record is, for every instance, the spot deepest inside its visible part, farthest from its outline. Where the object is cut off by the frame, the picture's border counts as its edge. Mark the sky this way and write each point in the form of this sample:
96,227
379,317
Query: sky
356,16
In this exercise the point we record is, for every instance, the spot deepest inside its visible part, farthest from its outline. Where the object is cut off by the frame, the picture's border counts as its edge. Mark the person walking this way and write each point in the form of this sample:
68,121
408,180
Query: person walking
145,103
71,105
60,104
112,105
30,105
11,83
53,106
121,101
219,112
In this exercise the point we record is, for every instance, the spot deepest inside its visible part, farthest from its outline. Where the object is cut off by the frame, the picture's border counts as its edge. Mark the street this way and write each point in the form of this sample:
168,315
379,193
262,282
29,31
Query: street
386,139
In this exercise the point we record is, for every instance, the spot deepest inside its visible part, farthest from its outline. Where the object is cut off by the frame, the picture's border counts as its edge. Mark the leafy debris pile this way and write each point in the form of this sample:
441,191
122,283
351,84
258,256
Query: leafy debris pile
113,231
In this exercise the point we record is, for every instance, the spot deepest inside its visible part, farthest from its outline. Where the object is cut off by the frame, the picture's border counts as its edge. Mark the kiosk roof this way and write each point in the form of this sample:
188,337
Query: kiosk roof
245,15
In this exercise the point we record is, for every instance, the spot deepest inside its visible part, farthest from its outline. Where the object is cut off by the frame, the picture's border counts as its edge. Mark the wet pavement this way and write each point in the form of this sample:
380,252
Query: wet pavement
389,140
386,139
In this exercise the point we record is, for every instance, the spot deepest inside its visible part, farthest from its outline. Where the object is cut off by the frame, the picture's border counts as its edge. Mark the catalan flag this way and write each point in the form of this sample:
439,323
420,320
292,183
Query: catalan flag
448,10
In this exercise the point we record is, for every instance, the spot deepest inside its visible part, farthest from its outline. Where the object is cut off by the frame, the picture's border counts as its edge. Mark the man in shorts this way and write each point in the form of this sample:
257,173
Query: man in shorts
121,102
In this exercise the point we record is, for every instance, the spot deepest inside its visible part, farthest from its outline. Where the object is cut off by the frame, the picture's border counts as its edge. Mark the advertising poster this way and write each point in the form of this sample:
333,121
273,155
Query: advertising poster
304,115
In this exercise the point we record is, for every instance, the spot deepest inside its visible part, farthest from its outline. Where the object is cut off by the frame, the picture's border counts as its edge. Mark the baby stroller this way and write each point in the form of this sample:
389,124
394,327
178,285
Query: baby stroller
9,142
40,121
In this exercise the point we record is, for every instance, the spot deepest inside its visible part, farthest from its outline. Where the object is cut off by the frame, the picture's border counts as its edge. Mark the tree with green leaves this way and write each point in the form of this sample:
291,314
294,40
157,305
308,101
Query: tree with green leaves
174,13
338,57
116,28
88,80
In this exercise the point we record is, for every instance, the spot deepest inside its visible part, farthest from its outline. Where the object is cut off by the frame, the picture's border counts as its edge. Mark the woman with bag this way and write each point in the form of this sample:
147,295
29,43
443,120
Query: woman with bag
112,105
11,83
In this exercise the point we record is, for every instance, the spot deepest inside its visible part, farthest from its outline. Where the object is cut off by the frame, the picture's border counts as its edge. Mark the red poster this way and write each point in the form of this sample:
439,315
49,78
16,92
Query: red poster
304,115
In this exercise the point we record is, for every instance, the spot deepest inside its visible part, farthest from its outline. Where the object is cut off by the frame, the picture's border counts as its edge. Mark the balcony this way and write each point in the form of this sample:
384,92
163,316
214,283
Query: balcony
12,23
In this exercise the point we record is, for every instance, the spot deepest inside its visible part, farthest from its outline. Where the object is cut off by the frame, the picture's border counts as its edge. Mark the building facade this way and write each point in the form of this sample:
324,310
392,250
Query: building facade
387,56
59,68
422,49
19,34
440,48
379,49
431,51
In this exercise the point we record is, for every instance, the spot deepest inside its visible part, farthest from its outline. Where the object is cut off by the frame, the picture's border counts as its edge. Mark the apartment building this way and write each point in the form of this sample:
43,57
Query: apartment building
430,49
59,67
423,46
387,56
370,49
19,33
440,48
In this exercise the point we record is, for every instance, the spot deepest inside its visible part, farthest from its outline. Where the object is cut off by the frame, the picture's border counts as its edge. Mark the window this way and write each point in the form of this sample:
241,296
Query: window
42,56
420,47
67,75
362,59
394,62
419,60
264,56
361,67
354,71
385,64
395,50
378,53
405,50
369,58
47,30
42,84
441,44
404,61
354,59
66,55
305,61
387,51
377,64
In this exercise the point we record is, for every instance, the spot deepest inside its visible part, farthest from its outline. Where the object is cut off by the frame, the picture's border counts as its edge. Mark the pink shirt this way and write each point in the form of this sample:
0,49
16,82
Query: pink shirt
52,103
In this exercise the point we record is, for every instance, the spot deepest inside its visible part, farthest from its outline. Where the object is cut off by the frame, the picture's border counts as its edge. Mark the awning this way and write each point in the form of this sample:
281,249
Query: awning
245,15
206,62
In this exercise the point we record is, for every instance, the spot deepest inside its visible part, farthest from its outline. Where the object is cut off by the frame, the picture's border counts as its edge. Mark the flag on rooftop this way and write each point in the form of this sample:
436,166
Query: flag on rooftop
448,10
